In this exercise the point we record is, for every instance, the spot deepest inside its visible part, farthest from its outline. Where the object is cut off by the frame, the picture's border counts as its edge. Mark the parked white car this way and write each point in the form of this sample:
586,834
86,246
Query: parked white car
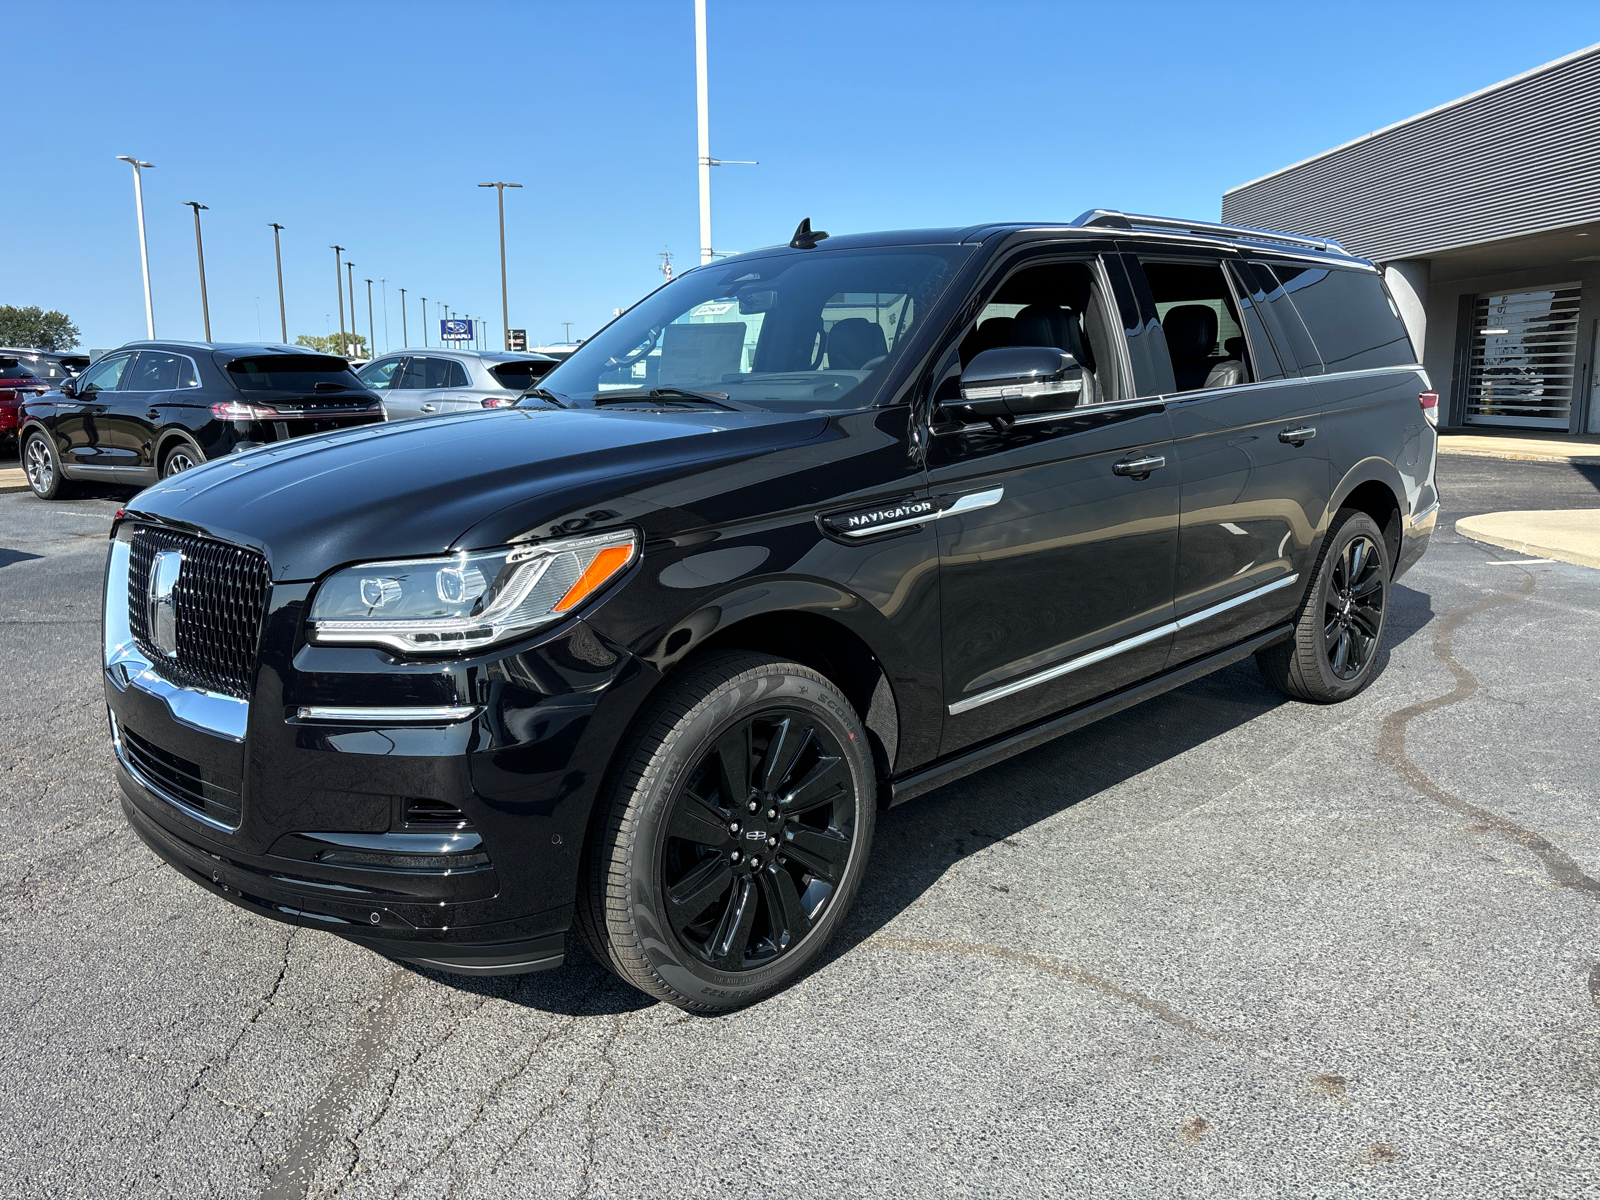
425,383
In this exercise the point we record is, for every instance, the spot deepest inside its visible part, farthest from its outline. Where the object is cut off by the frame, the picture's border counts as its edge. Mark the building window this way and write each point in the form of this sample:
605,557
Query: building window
1520,368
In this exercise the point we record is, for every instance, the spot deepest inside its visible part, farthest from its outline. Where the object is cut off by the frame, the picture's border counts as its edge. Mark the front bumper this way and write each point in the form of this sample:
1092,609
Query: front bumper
334,822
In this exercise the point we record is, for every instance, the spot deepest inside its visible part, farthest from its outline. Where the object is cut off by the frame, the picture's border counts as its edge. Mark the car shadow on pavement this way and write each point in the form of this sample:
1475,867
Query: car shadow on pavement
580,987
918,843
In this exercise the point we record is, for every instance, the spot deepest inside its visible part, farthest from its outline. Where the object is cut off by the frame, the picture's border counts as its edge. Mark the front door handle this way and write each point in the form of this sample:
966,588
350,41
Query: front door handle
1297,437
1139,467
429,408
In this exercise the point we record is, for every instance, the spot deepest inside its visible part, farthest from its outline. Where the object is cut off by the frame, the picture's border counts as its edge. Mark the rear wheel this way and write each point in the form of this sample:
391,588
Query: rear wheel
180,456
43,468
1334,651
735,834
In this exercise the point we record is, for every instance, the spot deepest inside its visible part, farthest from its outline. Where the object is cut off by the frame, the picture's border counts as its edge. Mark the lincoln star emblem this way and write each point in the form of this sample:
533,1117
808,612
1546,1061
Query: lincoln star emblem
161,610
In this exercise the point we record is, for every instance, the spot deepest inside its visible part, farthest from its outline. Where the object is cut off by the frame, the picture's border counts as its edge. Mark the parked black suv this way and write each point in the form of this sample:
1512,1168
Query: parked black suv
806,532
152,409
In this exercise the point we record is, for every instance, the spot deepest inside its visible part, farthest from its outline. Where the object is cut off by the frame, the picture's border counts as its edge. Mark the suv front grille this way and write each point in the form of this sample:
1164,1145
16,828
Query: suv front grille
220,599
207,794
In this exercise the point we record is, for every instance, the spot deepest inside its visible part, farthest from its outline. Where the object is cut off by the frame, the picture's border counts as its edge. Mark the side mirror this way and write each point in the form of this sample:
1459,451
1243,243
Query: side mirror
1015,381
68,388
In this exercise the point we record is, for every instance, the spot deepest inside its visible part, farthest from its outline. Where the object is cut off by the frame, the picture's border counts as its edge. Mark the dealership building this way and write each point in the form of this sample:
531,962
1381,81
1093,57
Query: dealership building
1485,214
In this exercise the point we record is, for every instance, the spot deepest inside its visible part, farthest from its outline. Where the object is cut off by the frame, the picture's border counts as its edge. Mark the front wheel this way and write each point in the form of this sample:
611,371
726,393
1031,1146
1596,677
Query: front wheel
734,836
1334,651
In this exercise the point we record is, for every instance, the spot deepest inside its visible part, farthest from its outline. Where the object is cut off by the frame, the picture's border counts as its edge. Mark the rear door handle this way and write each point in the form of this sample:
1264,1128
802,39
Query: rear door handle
429,408
1139,467
1297,437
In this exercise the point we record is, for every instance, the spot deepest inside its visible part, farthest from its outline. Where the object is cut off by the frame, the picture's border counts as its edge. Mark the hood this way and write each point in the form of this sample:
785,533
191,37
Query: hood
415,488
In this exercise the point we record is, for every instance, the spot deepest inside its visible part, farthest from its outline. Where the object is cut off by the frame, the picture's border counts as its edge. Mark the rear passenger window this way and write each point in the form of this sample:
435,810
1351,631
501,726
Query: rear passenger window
1352,321
1200,319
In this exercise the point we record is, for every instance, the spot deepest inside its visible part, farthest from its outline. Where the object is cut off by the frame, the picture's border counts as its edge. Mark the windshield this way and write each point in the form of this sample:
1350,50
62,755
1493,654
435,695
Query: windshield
790,333
291,373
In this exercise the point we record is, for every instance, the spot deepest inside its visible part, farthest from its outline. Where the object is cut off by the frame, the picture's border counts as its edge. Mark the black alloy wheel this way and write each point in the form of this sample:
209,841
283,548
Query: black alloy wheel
758,840
1333,652
732,835
1352,613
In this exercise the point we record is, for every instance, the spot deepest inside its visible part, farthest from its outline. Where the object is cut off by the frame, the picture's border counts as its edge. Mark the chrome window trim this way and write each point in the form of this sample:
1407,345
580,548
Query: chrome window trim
409,715
1207,393
1114,649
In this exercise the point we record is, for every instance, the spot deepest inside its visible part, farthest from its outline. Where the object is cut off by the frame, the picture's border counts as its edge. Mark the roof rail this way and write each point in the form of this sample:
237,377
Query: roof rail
1111,219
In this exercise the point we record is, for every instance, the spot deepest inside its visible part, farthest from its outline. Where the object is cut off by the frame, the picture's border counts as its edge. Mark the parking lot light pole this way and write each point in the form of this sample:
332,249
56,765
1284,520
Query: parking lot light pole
405,338
351,268
505,307
424,322
144,248
383,287
277,250
372,335
338,278
200,254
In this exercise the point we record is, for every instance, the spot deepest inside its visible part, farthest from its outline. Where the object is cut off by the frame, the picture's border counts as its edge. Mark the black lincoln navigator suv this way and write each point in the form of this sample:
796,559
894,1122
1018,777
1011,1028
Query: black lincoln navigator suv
805,533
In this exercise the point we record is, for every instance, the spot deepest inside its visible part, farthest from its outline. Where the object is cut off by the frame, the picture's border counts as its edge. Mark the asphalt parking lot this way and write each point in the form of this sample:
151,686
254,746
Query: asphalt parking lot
1219,945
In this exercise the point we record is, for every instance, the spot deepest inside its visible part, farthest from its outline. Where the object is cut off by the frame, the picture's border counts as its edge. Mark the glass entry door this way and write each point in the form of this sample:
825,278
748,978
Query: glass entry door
1521,367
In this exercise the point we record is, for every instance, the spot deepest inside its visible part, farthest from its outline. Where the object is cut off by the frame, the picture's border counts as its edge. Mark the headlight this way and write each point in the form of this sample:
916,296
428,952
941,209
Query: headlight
467,600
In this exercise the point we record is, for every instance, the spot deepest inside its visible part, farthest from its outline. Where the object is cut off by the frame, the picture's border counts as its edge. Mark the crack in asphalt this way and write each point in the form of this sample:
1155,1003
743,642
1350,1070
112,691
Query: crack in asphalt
1558,864
293,1176
1392,749
358,1139
591,1113
1061,970
493,1092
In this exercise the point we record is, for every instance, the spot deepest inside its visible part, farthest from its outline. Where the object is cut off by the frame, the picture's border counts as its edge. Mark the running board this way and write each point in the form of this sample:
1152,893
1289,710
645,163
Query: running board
976,759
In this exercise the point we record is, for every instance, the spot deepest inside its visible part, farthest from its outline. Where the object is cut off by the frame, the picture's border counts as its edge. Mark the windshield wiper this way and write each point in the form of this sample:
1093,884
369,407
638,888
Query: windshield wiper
543,394
720,399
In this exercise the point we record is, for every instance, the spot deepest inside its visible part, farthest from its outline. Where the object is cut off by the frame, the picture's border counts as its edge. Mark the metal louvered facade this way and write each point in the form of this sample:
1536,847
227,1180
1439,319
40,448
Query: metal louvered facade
1485,214
1474,170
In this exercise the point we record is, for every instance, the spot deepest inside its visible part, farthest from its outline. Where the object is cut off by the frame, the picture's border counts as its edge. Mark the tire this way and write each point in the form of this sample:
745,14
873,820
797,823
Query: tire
42,466
181,455
690,895
1334,651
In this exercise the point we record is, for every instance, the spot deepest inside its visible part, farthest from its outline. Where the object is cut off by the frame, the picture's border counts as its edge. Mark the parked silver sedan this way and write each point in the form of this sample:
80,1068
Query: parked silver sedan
425,383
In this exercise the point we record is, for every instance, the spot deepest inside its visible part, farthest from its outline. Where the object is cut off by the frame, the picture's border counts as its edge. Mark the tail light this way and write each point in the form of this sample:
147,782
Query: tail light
1430,406
499,401
234,410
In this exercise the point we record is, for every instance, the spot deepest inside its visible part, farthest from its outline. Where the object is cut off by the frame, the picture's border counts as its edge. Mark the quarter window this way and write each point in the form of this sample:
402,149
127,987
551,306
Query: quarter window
1354,323
1200,321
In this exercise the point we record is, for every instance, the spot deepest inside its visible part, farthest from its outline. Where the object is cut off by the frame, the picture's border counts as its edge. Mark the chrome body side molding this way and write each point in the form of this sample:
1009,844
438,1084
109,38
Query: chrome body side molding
1115,648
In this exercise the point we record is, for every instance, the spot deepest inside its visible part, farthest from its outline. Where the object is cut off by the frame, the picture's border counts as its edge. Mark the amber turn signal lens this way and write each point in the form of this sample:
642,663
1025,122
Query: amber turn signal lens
606,564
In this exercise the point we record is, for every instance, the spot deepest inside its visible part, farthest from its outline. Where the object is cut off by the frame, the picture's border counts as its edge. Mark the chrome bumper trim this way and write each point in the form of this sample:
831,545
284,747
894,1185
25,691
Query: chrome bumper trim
388,716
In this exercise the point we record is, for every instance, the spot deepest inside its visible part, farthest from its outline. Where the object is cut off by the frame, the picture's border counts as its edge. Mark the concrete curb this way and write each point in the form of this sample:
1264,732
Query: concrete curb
12,480
1569,534
1584,453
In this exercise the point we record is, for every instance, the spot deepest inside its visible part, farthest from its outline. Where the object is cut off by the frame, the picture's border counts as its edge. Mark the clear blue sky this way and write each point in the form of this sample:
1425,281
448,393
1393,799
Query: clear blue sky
368,124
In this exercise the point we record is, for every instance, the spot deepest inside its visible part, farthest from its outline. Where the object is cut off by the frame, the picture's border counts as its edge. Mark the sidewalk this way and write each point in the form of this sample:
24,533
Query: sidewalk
1583,450
1569,534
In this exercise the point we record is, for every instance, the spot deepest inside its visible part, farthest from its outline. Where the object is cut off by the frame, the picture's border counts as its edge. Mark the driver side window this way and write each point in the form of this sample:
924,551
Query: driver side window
104,376
1056,304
